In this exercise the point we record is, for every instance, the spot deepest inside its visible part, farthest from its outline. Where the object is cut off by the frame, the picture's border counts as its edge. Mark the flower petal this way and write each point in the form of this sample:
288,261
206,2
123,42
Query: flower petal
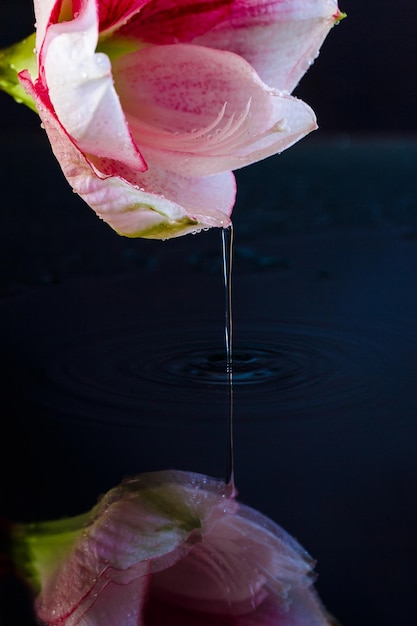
305,609
174,21
161,204
279,38
172,548
117,605
80,86
46,12
242,559
114,13
156,205
207,106
143,525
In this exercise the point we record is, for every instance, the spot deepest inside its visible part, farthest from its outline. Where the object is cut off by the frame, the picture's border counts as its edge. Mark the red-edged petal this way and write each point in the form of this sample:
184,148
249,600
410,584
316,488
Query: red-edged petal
156,205
46,13
80,86
116,605
138,528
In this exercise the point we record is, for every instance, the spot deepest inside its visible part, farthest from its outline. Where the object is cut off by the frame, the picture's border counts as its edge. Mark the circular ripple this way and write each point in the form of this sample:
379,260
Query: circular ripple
135,374
250,365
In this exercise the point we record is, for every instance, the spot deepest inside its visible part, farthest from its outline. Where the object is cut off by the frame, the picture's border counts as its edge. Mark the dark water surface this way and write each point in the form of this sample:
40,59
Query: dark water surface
113,359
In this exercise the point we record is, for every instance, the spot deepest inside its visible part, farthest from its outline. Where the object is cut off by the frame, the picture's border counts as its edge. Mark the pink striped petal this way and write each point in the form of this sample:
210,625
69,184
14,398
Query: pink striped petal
197,111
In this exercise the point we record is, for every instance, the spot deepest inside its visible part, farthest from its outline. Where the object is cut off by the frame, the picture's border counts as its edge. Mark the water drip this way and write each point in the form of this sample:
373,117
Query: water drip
227,258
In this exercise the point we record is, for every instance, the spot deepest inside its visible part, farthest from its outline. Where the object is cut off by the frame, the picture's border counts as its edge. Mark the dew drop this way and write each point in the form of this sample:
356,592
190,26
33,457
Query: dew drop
281,126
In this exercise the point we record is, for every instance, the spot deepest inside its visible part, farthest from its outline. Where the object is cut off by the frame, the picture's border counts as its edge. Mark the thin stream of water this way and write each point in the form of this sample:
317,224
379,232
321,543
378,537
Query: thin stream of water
227,259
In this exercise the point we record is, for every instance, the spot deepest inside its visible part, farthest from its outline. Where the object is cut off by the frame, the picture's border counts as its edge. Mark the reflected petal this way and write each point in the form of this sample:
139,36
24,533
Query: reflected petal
170,548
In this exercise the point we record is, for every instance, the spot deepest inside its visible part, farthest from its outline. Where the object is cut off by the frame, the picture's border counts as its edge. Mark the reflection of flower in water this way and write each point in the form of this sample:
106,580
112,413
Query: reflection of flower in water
168,549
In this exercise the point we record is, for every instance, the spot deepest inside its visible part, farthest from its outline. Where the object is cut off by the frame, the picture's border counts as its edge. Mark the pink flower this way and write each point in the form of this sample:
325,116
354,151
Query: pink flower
150,104
169,549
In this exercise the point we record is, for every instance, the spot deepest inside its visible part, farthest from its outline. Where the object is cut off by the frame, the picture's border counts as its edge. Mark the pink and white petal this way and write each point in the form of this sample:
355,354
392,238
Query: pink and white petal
159,206
175,21
292,121
197,111
180,88
80,86
46,12
279,38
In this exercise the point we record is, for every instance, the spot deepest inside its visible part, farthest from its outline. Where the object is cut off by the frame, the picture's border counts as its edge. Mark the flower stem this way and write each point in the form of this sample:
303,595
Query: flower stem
14,59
